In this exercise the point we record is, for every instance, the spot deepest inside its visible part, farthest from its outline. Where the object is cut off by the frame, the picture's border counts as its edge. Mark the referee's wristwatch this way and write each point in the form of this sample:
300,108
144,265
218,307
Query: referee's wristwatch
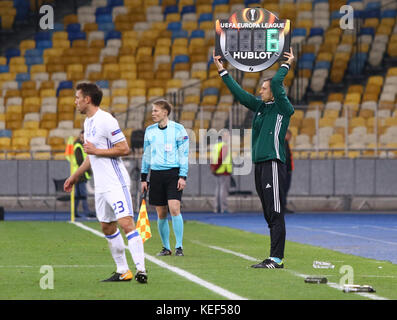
143,177
182,177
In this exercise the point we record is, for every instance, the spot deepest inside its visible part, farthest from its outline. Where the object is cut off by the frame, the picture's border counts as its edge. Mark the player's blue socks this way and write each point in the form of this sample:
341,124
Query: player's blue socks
164,230
177,225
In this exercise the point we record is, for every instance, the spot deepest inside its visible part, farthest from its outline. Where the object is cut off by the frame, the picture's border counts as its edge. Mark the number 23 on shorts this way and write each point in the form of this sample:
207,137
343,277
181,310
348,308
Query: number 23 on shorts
118,207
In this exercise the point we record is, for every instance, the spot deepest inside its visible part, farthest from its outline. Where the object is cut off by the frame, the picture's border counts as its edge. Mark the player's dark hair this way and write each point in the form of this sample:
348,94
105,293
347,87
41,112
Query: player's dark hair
91,90
164,104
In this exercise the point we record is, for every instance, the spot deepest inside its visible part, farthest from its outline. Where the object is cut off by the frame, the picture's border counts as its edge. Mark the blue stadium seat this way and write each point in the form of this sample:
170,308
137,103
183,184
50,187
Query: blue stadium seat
305,64
4,68
73,27
297,32
42,35
115,3
372,10
12,52
103,10
388,14
22,7
211,91
108,26
204,17
104,84
372,6
5,133
367,30
43,44
357,13
180,59
31,60
316,32
33,53
308,57
103,18
170,9
80,35
336,15
112,34
21,77
219,2
306,61
323,65
58,26
64,85
248,2
188,9
179,34
174,26
198,33
357,63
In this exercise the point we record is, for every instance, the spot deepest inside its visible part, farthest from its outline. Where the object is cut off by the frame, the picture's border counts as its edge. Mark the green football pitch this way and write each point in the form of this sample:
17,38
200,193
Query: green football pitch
65,261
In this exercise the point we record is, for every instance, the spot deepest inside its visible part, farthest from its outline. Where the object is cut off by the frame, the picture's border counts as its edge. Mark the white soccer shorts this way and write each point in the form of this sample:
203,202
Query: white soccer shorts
114,204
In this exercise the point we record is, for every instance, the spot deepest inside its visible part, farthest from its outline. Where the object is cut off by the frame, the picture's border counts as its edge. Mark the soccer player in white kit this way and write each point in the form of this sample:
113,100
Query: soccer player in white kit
105,143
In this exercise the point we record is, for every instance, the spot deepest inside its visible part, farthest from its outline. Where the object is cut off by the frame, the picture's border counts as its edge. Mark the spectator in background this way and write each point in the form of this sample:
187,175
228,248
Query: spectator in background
289,161
81,186
221,168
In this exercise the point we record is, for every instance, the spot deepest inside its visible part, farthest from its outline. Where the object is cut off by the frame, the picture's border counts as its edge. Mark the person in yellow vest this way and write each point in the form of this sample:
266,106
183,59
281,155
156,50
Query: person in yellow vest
81,186
221,167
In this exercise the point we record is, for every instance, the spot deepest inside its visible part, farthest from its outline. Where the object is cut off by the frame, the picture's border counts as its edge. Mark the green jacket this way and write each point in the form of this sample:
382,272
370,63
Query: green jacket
271,119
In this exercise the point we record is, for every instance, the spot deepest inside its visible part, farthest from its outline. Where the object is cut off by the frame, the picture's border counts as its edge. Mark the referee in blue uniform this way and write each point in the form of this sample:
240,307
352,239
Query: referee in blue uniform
166,152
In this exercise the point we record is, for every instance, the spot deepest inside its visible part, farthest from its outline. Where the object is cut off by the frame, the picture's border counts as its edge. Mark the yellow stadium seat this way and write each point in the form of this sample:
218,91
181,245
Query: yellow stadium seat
76,68
47,93
7,76
5,143
155,92
326,122
70,18
119,107
191,99
139,83
210,100
188,115
371,22
20,143
120,92
375,80
335,97
133,92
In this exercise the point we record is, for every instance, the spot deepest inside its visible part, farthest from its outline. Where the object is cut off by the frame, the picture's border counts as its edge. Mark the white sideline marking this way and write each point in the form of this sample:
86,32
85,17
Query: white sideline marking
345,235
380,228
330,284
189,276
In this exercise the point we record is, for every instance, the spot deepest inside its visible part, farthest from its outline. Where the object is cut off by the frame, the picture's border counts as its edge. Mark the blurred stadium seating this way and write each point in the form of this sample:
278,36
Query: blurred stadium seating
344,82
